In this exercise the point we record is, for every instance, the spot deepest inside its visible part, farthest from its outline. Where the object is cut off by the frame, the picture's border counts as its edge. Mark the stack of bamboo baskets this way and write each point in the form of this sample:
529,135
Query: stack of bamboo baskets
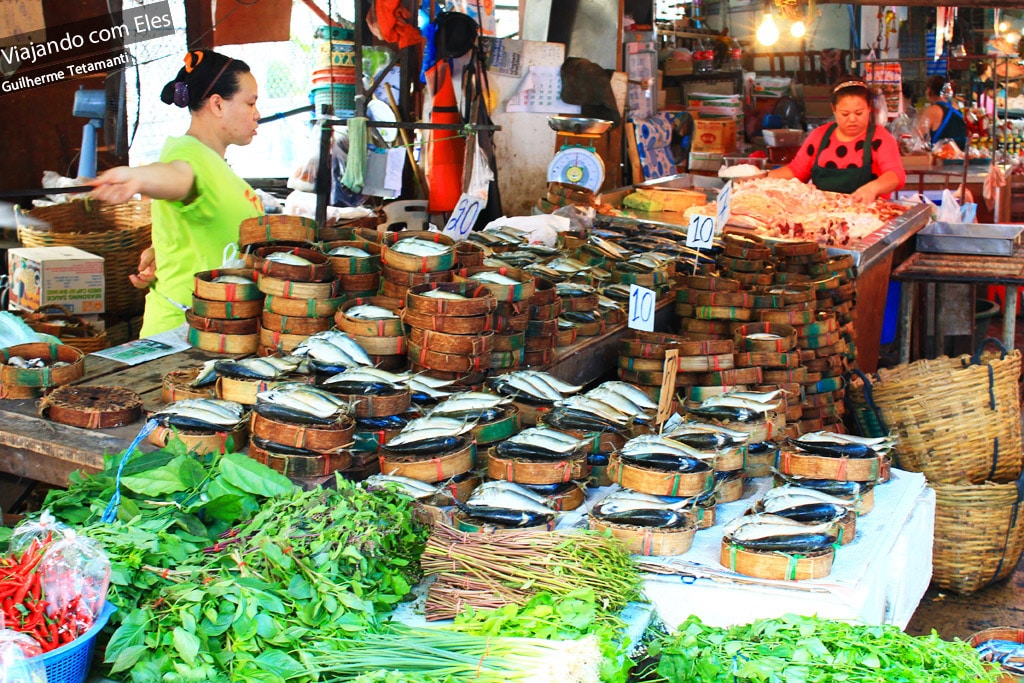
225,315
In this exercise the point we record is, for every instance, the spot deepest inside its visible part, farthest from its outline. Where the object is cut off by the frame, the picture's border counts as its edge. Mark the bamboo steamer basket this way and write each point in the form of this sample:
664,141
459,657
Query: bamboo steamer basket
201,442
70,328
280,341
530,415
303,308
464,522
276,228
509,342
660,482
279,287
545,343
462,381
566,337
511,324
286,324
216,343
366,284
364,227
600,442
20,380
372,441
508,293
797,464
703,297
590,329
469,254
535,471
438,467
354,265
652,345
761,464
1014,635
294,465
175,386
389,289
730,459
544,293
570,499
378,405
382,346
479,300
545,312
787,337
777,566
979,534
584,303
449,362
226,310
649,541
505,361
761,430
417,264
538,358
449,324
401,279
503,427
319,269
244,390
390,327
222,325
206,288
91,407
312,437
463,344
731,489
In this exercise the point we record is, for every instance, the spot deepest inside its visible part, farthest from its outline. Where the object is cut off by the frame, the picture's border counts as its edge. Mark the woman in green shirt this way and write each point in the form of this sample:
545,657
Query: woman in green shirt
199,202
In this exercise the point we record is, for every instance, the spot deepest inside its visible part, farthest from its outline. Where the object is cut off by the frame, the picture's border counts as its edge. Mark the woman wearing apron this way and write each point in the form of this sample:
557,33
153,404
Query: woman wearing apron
941,119
850,155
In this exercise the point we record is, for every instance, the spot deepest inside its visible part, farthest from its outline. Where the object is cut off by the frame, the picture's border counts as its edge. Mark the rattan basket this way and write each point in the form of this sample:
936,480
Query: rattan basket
117,232
979,534
69,328
957,419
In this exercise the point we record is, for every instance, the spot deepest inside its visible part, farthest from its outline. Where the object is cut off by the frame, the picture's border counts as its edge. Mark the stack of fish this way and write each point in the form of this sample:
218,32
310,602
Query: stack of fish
302,431
728,452
501,239
542,329
438,446
331,352
412,257
811,506
831,455
757,413
357,265
225,314
302,295
533,387
613,302
770,533
653,270
374,323
203,424
512,290
856,495
581,310
551,462
659,465
633,508
240,380
1008,654
508,505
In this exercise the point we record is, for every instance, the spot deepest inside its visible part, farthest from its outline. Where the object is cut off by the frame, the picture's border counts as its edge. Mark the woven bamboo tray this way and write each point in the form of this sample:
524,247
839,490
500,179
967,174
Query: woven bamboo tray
787,337
570,499
205,288
788,317
243,390
462,344
712,283
536,358
544,343
509,342
535,471
301,466
1014,635
222,325
449,324
92,407
391,327
276,228
201,442
506,293
223,343
585,303
291,325
777,566
566,337
279,287
372,441
397,278
465,523
449,362
227,310
545,312
175,386
383,405
468,254
438,467
649,541
13,377
479,300
503,427
303,307
701,297
957,421
117,232
512,324
542,328
544,293
361,284
654,345
354,265
312,437
319,269
979,534
417,264
71,329
660,482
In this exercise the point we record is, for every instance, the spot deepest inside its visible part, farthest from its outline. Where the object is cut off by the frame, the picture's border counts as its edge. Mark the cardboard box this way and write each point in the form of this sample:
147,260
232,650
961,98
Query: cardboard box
55,275
706,162
913,162
716,136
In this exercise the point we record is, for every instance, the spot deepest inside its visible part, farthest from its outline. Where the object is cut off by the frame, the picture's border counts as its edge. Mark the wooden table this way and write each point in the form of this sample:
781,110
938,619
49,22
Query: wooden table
962,268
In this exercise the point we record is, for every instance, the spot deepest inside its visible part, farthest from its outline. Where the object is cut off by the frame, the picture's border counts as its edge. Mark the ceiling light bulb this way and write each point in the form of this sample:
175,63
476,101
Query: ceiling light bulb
798,29
768,32
1013,37
1003,26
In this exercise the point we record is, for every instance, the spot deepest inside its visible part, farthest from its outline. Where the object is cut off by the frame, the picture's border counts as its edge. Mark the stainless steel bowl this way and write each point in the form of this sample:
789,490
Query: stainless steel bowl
578,125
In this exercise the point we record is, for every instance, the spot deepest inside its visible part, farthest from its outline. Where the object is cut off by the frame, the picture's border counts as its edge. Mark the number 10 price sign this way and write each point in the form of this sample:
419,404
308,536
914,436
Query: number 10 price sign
641,308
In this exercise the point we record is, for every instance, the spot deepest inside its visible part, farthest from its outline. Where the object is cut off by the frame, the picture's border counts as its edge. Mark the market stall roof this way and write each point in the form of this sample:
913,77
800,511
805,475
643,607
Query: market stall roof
984,4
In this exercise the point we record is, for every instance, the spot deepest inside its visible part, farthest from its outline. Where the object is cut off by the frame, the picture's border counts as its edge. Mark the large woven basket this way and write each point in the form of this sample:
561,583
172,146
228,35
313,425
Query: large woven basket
117,232
957,419
71,329
979,534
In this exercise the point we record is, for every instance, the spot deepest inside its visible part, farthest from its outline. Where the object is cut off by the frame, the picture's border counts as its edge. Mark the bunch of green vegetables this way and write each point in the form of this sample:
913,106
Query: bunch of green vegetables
797,649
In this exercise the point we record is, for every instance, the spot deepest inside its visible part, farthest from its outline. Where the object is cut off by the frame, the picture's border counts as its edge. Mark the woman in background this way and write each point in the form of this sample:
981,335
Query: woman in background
943,119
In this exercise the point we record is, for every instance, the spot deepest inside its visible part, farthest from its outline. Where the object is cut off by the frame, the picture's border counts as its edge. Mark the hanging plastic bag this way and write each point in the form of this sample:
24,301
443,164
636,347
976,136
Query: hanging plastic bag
75,574
19,659
46,529
481,175
304,176
230,257
949,210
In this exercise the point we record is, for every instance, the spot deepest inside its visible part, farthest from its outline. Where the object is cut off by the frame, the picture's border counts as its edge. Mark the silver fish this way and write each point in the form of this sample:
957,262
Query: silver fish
593,407
503,485
288,258
303,403
348,250
207,374
410,487
251,368
654,443
442,294
507,499
233,280
617,401
229,410
414,246
800,494
631,392
555,383
370,312
764,336
494,278
453,425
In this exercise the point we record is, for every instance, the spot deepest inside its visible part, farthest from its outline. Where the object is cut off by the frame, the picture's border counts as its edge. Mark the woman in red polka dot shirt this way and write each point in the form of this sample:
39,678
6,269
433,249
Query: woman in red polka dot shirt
838,157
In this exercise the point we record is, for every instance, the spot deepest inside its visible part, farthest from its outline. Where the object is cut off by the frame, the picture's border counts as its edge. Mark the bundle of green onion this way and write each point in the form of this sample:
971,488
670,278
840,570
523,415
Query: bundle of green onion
487,571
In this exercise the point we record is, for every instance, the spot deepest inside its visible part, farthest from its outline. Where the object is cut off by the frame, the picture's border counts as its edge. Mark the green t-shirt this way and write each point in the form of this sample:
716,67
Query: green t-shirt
189,238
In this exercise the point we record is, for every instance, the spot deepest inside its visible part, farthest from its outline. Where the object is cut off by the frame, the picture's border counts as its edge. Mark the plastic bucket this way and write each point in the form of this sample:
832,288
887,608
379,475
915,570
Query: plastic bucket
338,74
341,96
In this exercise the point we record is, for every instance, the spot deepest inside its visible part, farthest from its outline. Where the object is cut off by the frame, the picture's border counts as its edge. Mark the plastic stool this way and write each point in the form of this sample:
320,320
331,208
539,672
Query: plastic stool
412,213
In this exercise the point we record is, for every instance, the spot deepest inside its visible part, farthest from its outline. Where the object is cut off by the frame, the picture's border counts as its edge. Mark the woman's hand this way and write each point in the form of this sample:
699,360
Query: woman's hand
865,194
116,185
147,270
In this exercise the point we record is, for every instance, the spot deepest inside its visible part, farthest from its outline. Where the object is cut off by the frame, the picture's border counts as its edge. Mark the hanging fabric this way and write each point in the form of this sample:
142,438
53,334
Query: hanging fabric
478,101
389,21
445,149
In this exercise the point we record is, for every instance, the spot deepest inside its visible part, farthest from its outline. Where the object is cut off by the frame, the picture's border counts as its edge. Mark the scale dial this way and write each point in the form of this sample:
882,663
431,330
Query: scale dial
577,166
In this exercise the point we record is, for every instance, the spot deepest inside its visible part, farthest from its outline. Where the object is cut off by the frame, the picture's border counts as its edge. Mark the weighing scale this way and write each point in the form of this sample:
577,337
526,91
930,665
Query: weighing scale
577,164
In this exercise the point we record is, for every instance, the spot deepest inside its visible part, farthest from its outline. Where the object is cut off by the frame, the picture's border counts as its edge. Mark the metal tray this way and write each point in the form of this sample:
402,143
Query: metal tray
969,238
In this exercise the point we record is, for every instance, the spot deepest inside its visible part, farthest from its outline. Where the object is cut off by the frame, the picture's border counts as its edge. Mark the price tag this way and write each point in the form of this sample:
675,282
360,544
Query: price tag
701,232
641,308
668,386
463,217
723,201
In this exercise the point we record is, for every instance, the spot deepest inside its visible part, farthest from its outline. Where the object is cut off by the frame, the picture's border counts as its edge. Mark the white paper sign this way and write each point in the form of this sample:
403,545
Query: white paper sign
701,232
724,208
463,217
641,308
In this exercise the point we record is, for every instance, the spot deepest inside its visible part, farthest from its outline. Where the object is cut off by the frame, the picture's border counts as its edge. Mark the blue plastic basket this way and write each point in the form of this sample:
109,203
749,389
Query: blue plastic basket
70,663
